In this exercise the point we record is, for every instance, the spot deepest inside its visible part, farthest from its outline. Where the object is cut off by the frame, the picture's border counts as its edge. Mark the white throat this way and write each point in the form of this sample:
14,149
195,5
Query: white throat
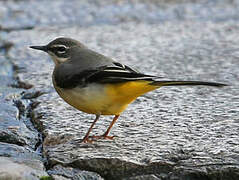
57,60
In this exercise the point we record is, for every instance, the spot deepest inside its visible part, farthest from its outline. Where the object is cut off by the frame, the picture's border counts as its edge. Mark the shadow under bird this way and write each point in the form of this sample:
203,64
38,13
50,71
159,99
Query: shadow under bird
96,84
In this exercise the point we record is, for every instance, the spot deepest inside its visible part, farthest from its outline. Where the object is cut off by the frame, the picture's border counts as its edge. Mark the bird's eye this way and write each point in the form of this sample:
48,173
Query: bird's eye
61,49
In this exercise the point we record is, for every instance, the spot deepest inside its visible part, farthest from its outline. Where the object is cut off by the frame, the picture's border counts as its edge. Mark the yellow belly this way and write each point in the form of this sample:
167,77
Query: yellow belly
105,99
123,94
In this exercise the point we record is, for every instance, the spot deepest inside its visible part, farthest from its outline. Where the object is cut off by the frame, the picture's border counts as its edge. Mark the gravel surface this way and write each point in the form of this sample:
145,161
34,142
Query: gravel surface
171,133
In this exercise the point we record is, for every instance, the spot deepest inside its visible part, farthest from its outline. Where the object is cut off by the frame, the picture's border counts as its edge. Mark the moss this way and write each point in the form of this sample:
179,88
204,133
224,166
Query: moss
46,178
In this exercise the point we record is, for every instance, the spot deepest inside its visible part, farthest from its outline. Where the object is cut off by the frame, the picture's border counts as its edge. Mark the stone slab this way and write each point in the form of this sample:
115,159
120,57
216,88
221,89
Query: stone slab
171,133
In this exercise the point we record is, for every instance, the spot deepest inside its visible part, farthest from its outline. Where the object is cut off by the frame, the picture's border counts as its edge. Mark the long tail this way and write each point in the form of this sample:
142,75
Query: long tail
187,83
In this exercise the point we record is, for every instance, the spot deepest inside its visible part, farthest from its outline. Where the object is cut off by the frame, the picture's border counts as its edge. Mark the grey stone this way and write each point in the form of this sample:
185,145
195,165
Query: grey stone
173,133
16,151
72,173
15,126
163,129
11,169
17,162
28,14
144,177
12,127
6,70
57,177
19,158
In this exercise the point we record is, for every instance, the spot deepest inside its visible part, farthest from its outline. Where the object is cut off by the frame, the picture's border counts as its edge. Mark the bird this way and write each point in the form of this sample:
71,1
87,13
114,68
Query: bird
96,84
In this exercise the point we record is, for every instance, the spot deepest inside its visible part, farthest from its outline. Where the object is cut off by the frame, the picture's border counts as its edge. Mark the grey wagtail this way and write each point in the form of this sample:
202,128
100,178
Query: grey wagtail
96,84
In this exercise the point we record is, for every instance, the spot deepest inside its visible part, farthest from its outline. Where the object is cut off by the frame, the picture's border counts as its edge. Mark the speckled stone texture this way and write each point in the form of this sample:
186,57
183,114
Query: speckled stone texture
174,133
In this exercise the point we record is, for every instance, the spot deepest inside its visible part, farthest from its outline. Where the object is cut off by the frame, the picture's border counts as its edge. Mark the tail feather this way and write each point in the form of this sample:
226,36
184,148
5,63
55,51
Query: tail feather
187,83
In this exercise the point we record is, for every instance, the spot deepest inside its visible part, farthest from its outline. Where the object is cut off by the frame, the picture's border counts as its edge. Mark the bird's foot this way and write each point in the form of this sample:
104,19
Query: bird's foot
87,140
101,137
93,138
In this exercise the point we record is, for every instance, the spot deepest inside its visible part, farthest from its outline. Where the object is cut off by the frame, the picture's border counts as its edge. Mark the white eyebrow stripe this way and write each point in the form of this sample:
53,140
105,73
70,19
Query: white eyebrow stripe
60,45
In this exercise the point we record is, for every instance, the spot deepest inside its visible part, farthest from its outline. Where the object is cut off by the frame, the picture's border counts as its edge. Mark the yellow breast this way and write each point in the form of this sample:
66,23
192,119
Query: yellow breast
105,99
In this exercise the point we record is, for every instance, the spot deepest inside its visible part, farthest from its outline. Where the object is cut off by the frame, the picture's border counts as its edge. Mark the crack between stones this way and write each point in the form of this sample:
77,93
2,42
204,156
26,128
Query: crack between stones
26,111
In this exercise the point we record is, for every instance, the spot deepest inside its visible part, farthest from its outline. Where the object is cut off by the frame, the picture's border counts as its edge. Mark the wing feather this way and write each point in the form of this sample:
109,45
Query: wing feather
118,73
69,76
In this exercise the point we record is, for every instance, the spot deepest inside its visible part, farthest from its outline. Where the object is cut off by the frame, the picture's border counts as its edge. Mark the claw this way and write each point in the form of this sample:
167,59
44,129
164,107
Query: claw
86,140
101,137
109,137
91,139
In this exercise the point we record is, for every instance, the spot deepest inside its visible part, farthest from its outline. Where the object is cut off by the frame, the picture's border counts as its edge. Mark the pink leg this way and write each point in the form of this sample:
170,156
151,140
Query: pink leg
105,135
86,138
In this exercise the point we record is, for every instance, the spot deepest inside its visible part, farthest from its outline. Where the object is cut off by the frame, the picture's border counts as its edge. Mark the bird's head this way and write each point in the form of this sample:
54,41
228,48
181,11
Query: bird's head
60,49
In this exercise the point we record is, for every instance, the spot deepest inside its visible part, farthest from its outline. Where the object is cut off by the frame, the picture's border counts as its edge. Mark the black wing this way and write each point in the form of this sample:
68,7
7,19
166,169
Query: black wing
115,73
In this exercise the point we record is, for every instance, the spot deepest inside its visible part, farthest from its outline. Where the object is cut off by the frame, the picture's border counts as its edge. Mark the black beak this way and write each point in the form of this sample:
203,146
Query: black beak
42,48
